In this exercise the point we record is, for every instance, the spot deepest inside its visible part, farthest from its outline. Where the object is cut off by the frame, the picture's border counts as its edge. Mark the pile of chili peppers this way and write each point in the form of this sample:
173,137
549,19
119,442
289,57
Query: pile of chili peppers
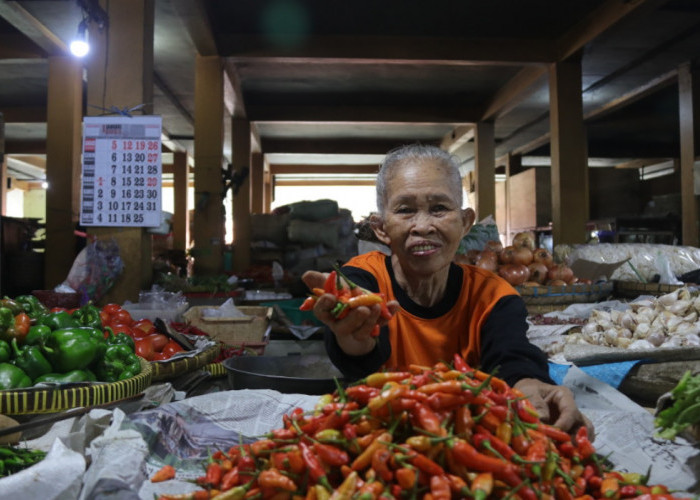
429,433
348,296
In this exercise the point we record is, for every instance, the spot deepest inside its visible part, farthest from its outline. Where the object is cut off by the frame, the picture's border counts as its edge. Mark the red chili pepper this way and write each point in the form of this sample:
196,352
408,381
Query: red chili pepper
213,475
583,444
380,464
272,478
262,446
440,488
308,303
361,393
554,432
230,479
246,468
463,422
426,419
332,455
561,489
406,477
423,463
467,455
330,284
316,470
484,436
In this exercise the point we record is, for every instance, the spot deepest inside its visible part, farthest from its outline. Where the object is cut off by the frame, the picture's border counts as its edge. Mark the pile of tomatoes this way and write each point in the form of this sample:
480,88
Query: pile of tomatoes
149,344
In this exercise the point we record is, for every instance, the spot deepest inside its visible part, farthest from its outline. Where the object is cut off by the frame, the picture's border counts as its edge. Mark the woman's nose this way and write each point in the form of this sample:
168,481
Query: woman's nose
422,223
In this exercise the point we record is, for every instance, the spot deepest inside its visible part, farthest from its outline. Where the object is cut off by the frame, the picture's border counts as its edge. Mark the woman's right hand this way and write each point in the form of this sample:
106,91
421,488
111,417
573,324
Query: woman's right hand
353,332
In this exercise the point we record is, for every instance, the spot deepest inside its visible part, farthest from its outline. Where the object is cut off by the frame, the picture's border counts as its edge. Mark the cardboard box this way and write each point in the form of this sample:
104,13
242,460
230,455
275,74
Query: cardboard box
254,327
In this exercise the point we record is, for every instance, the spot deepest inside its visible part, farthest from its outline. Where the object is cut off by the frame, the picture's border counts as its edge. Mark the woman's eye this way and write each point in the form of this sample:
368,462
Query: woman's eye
439,208
403,210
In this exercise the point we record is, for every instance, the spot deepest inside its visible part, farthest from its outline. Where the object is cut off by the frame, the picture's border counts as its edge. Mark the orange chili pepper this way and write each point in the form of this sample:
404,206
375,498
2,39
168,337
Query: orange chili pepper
163,474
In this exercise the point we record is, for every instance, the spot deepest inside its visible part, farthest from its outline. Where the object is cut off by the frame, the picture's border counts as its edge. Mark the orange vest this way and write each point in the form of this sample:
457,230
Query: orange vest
426,341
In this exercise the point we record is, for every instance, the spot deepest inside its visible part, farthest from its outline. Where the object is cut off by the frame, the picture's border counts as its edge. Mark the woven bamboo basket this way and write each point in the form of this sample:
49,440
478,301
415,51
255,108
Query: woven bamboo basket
633,289
167,370
37,400
216,370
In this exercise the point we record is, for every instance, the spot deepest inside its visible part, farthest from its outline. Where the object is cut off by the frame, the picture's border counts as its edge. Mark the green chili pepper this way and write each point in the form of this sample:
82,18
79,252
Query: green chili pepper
38,334
31,360
64,378
88,315
74,348
119,339
32,305
119,363
12,377
5,351
58,320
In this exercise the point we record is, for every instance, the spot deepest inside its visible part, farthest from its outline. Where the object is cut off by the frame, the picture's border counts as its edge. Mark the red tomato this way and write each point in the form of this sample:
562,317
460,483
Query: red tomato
118,328
144,348
171,348
57,309
159,341
146,325
105,317
122,316
159,356
111,308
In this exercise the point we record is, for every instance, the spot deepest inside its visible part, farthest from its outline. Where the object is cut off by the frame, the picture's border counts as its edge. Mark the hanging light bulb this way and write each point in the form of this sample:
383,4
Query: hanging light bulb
79,47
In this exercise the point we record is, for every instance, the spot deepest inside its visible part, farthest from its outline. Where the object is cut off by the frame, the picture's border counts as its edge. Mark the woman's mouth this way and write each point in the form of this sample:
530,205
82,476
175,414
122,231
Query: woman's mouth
423,249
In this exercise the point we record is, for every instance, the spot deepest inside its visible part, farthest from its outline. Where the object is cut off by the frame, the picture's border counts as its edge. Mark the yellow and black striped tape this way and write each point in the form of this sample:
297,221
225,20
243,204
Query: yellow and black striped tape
32,400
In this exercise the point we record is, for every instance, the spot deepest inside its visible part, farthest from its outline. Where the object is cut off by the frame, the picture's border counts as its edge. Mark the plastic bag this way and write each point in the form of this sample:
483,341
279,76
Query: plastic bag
95,270
481,232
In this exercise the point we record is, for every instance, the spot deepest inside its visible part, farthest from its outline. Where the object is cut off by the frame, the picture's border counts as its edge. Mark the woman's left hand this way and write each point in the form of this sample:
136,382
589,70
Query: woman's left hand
555,405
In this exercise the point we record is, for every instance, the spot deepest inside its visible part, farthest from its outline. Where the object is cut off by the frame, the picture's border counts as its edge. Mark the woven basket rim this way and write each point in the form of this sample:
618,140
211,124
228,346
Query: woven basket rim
38,400
164,370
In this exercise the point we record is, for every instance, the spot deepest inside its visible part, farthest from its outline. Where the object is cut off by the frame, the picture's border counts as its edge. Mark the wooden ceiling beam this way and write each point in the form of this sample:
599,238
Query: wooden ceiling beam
19,47
323,169
389,50
330,146
233,94
32,28
457,138
193,14
600,20
361,113
339,182
641,162
24,115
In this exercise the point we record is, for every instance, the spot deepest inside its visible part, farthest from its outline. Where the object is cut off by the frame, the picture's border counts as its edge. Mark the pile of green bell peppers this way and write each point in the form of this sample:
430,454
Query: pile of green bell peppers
61,347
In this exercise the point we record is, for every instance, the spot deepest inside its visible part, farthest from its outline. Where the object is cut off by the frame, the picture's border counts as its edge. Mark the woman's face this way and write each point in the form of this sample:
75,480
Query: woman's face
423,222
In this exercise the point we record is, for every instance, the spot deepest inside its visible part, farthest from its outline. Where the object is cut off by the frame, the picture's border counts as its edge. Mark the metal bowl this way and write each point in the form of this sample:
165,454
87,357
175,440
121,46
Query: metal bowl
299,374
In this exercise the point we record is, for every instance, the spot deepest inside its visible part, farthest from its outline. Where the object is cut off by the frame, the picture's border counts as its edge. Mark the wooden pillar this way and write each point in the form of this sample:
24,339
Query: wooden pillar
268,193
485,169
3,169
513,166
257,171
64,112
240,143
181,217
689,115
120,73
208,160
569,153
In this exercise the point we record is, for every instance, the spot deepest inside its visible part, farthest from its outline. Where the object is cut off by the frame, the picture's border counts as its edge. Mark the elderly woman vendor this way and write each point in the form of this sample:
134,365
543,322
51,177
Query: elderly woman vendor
439,307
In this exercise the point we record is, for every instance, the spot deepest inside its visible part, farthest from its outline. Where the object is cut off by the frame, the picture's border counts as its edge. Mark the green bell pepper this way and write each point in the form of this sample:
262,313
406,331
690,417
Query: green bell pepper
31,360
32,305
7,323
64,378
5,351
12,377
38,334
13,305
88,315
58,320
119,363
119,339
74,348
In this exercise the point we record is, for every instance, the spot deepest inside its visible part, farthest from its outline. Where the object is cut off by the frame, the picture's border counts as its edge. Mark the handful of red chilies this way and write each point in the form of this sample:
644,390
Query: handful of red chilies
429,433
348,296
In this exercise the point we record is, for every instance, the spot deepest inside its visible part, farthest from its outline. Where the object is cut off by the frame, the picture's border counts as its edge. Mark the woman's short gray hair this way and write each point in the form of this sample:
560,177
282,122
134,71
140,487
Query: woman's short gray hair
416,153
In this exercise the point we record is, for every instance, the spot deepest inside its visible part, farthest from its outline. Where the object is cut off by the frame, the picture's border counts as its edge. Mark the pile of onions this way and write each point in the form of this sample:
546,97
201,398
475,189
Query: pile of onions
522,263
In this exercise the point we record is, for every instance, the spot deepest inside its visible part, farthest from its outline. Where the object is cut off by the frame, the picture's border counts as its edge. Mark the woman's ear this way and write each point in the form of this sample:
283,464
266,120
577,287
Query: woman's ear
468,216
377,224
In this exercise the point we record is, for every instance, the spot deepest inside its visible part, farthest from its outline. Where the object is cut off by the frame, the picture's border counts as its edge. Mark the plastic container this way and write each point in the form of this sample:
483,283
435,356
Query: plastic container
139,311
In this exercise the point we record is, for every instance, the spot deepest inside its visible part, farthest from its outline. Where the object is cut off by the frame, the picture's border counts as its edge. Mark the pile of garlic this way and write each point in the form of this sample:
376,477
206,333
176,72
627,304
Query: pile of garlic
671,320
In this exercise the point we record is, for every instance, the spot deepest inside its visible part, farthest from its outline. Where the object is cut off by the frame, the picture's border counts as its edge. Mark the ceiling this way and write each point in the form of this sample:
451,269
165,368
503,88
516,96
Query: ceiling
340,83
